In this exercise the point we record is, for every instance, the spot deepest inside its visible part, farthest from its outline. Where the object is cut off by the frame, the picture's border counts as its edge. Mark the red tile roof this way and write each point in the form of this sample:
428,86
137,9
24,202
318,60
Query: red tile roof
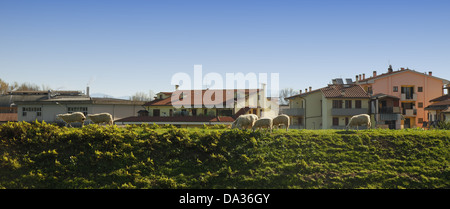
211,93
441,98
399,71
8,117
150,119
341,91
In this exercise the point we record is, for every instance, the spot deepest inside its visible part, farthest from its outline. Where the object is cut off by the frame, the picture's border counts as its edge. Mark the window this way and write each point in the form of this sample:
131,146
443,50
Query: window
420,120
84,110
300,121
348,104
358,104
337,103
37,110
420,89
335,121
420,105
156,112
395,89
408,91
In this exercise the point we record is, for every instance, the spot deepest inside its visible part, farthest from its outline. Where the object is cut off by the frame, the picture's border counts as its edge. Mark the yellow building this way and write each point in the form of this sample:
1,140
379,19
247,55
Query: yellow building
330,107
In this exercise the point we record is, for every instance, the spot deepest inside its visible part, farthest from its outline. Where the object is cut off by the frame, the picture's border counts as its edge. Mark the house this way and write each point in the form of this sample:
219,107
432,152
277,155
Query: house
188,108
439,109
51,103
329,107
405,91
8,106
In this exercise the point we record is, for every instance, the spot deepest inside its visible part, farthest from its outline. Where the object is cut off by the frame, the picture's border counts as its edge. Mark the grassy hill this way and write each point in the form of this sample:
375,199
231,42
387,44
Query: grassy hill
149,156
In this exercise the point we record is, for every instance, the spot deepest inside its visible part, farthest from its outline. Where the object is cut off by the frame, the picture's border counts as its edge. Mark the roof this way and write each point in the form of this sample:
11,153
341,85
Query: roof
381,96
342,91
442,105
33,99
211,93
7,100
338,91
400,71
441,98
205,119
8,117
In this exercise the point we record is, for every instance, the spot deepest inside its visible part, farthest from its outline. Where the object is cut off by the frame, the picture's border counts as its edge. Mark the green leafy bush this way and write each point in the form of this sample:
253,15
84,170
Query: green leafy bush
41,155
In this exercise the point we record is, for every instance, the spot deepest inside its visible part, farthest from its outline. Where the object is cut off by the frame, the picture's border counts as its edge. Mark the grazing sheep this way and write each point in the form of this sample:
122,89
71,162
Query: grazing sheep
359,120
72,118
101,118
245,121
263,123
281,120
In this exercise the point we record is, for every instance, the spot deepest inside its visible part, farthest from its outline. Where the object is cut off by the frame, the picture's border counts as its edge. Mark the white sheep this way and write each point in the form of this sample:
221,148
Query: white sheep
263,123
281,120
359,120
101,118
72,118
245,121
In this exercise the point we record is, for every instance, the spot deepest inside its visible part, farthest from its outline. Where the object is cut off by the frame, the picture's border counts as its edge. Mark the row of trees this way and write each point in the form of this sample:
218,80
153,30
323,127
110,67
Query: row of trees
6,87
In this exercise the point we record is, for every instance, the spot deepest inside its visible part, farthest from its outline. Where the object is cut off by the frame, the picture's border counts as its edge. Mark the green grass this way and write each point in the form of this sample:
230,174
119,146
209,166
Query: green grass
41,155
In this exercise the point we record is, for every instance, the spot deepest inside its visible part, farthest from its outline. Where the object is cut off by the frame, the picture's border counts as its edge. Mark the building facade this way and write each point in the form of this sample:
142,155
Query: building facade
186,108
408,93
330,107
52,103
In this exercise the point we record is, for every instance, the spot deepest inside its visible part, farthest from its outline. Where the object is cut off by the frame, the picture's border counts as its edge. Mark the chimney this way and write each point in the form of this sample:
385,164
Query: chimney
300,91
364,76
176,87
430,73
87,91
306,90
374,73
310,88
402,68
356,78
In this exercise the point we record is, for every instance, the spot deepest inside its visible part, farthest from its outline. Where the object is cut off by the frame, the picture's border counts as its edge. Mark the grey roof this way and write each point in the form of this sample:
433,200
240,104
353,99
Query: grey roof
7,100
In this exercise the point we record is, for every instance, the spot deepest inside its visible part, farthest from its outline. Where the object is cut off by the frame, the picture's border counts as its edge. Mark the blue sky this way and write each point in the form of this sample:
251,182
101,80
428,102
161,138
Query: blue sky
122,47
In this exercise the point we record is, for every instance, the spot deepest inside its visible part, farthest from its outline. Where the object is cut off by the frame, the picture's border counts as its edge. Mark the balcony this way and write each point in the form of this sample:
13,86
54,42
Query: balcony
408,97
409,112
389,116
294,111
389,110
348,112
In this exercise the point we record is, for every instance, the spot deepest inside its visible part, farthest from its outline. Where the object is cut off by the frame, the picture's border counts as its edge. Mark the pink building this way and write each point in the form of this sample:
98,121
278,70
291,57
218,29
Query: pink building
399,97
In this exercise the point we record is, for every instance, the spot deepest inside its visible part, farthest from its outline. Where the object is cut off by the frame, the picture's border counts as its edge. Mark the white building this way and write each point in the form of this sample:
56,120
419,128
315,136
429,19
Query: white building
54,103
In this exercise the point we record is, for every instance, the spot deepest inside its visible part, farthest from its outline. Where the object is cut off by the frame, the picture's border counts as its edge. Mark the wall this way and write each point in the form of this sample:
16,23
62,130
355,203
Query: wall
432,88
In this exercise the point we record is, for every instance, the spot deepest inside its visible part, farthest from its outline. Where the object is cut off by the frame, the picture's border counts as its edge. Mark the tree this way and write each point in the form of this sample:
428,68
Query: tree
142,96
286,92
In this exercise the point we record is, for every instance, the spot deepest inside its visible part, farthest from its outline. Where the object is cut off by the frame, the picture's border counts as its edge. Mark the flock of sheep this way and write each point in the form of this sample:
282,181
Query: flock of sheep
251,121
79,117
248,121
